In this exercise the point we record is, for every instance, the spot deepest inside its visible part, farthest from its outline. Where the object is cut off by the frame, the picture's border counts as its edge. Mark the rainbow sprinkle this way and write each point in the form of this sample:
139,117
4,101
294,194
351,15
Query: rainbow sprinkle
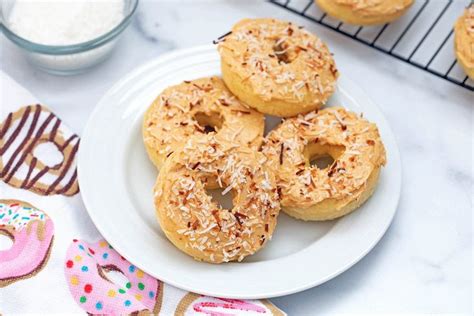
18,216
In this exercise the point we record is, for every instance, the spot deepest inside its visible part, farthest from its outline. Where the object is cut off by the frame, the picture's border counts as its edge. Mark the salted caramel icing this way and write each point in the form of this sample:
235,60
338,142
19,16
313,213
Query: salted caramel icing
280,60
198,225
375,7
352,141
189,109
464,40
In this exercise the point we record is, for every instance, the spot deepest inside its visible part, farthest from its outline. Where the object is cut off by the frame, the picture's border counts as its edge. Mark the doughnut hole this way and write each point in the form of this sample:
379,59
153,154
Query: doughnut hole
6,240
113,274
322,156
209,122
49,154
224,201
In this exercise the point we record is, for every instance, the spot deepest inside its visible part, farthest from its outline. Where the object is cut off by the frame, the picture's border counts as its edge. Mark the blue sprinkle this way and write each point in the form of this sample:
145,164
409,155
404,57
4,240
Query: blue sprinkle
16,215
131,268
128,303
151,294
98,305
81,247
105,255
84,268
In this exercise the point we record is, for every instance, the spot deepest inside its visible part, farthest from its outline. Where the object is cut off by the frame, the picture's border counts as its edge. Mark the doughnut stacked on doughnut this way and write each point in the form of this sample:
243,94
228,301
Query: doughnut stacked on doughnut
202,137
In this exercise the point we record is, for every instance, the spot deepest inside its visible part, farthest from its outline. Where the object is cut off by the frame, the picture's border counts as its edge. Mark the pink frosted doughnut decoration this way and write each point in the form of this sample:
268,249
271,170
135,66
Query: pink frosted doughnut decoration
207,306
93,292
32,232
194,304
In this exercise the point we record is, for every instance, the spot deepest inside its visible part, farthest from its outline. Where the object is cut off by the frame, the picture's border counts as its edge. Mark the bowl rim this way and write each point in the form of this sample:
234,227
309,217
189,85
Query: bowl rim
73,48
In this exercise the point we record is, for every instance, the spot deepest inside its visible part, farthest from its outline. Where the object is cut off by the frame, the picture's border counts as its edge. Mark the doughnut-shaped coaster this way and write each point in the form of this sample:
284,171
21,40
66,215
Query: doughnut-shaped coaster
85,267
21,133
32,232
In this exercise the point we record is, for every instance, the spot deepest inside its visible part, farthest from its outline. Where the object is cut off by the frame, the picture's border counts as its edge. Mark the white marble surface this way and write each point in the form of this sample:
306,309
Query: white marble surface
424,262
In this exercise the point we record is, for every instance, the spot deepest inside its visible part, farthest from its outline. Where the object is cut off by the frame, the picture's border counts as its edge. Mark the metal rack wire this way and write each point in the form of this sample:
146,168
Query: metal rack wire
422,38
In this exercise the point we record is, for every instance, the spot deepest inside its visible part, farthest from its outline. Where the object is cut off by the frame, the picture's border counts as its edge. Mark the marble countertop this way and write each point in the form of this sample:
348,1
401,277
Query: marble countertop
424,262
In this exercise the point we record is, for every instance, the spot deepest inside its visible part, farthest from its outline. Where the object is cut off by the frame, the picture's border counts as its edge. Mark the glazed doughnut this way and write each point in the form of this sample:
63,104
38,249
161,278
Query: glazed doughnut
365,12
195,223
277,67
464,41
96,294
193,303
32,232
20,134
198,107
310,193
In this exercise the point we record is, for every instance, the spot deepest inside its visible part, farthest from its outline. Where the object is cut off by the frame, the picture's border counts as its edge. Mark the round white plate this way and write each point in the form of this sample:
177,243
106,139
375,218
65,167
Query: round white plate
116,180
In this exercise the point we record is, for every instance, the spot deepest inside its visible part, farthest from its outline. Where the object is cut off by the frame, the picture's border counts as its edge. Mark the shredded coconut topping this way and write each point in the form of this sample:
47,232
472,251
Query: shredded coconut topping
375,7
280,60
188,214
174,117
464,39
353,141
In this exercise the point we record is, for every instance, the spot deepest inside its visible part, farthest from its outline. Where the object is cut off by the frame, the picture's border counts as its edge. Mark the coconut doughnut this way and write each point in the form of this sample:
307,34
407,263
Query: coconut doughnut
277,67
199,226
464,41
198,107
365,12
311,193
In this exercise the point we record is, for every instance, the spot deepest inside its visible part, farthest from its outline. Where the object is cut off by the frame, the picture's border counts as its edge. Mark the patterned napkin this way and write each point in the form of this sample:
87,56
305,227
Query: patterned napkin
52,259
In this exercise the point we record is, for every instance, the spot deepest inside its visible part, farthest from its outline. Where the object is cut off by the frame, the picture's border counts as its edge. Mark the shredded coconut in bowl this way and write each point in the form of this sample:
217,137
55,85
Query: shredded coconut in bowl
64,22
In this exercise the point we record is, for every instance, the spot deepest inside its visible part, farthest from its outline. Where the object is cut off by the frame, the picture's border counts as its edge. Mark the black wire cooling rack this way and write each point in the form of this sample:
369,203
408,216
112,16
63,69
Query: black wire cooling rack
422,38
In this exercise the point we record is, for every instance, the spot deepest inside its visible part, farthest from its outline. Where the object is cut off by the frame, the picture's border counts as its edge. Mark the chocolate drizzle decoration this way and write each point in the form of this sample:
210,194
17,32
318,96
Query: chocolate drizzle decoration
20,133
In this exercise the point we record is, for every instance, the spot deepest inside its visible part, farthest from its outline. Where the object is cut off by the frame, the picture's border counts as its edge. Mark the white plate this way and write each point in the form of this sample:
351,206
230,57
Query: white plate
116,180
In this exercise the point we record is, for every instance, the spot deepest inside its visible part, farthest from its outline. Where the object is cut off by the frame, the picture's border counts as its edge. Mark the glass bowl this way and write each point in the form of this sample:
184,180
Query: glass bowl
67,59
